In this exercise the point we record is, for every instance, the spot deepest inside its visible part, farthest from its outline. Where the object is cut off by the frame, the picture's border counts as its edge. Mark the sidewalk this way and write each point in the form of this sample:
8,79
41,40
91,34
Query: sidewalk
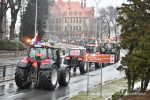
8,78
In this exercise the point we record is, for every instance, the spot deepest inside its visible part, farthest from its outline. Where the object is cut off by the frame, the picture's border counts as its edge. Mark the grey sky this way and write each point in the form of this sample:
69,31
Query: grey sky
104,3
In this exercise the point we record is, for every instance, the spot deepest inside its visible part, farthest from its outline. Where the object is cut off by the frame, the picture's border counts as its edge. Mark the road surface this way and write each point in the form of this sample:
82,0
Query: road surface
9,91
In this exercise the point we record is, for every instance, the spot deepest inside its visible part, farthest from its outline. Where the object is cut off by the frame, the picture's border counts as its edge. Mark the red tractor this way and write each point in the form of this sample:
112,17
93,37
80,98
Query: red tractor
75,59
43,67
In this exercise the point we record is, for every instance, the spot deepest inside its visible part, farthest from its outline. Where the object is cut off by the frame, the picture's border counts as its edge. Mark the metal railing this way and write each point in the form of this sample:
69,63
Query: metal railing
7,70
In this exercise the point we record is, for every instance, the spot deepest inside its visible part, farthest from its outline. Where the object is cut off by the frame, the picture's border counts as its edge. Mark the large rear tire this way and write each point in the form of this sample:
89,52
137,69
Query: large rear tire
64,76
22,77
82,68
48,78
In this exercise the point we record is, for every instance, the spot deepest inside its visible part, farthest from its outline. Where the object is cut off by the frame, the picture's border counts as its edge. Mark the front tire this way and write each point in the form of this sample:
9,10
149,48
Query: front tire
64,76
22,78
48,78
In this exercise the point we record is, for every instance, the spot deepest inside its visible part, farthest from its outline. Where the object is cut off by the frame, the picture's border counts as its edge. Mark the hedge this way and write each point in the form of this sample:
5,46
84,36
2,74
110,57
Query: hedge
11,45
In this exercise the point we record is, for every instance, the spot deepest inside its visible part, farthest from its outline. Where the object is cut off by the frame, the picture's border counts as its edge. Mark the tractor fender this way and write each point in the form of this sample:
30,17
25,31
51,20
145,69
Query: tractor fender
47,66
23,65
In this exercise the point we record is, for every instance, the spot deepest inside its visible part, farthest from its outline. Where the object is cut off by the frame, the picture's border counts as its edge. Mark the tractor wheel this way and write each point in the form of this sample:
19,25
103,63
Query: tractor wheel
64,76
82,68
22,78
48,78
97,66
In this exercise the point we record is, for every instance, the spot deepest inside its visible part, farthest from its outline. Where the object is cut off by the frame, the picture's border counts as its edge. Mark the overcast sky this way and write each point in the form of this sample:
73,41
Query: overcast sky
103,3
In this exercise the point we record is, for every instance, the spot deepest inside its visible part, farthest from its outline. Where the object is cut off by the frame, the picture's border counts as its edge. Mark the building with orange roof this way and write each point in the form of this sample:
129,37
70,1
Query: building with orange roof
71,20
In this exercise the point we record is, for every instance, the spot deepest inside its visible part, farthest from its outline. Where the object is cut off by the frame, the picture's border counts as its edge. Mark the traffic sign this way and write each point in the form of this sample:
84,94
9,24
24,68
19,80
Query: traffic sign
100,58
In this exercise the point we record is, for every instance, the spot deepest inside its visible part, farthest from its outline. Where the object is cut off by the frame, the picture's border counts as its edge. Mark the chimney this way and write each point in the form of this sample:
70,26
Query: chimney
84,3
81,3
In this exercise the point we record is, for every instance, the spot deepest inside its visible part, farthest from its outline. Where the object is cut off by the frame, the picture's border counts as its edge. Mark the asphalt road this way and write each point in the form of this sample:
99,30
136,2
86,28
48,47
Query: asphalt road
78,83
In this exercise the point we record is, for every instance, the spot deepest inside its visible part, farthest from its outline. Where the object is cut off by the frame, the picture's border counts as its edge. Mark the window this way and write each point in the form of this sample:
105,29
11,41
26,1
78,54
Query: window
79,28
70,13
70,20
74,20
70,28
65,28
77,20
80,13
80,20
74,28
34,51
65,13
75,13
65,20
74,52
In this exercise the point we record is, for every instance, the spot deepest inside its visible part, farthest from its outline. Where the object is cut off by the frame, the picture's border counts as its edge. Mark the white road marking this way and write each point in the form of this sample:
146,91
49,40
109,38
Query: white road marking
14,95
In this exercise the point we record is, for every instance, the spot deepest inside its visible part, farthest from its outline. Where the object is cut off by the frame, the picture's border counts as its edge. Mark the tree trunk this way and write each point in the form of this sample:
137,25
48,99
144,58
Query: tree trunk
133,82
146,82
116,34
142,81
1,31
12,26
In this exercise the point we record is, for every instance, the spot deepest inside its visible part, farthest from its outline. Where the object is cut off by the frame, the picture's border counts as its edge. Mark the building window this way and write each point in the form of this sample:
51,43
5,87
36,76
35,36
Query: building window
70,28
70,13
70,20
74,28
65,28
65,13
79,28
75,13
80,20
74,20
65,20
77,20
80,13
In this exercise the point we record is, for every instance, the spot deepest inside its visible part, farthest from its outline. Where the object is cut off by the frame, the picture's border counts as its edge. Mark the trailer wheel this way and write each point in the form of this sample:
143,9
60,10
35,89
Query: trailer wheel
22,78
48,78
64,76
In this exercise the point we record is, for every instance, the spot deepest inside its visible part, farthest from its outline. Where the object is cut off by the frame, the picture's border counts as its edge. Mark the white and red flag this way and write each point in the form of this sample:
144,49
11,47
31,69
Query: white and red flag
35,39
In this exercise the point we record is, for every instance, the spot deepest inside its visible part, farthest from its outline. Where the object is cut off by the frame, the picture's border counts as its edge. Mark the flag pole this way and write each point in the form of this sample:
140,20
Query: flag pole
36,18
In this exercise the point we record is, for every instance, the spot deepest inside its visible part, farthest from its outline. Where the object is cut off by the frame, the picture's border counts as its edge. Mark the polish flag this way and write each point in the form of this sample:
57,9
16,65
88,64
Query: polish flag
35,39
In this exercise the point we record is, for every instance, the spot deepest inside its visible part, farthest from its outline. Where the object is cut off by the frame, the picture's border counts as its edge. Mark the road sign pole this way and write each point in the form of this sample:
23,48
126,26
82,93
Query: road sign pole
87,63
101,81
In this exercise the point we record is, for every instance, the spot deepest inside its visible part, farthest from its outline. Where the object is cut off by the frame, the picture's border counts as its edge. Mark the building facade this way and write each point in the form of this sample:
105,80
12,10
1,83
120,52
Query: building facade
70,21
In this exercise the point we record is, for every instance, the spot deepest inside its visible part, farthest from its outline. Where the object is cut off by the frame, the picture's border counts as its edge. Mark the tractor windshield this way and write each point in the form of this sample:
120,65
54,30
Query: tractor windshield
90,49
74,52
39,53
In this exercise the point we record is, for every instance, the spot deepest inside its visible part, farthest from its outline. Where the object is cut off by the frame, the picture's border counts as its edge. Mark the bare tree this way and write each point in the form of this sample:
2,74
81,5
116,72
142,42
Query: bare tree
15,6
109,15
3,8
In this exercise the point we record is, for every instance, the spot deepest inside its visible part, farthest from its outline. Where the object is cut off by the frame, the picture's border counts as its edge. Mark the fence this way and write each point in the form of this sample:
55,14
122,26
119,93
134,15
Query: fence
7,70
